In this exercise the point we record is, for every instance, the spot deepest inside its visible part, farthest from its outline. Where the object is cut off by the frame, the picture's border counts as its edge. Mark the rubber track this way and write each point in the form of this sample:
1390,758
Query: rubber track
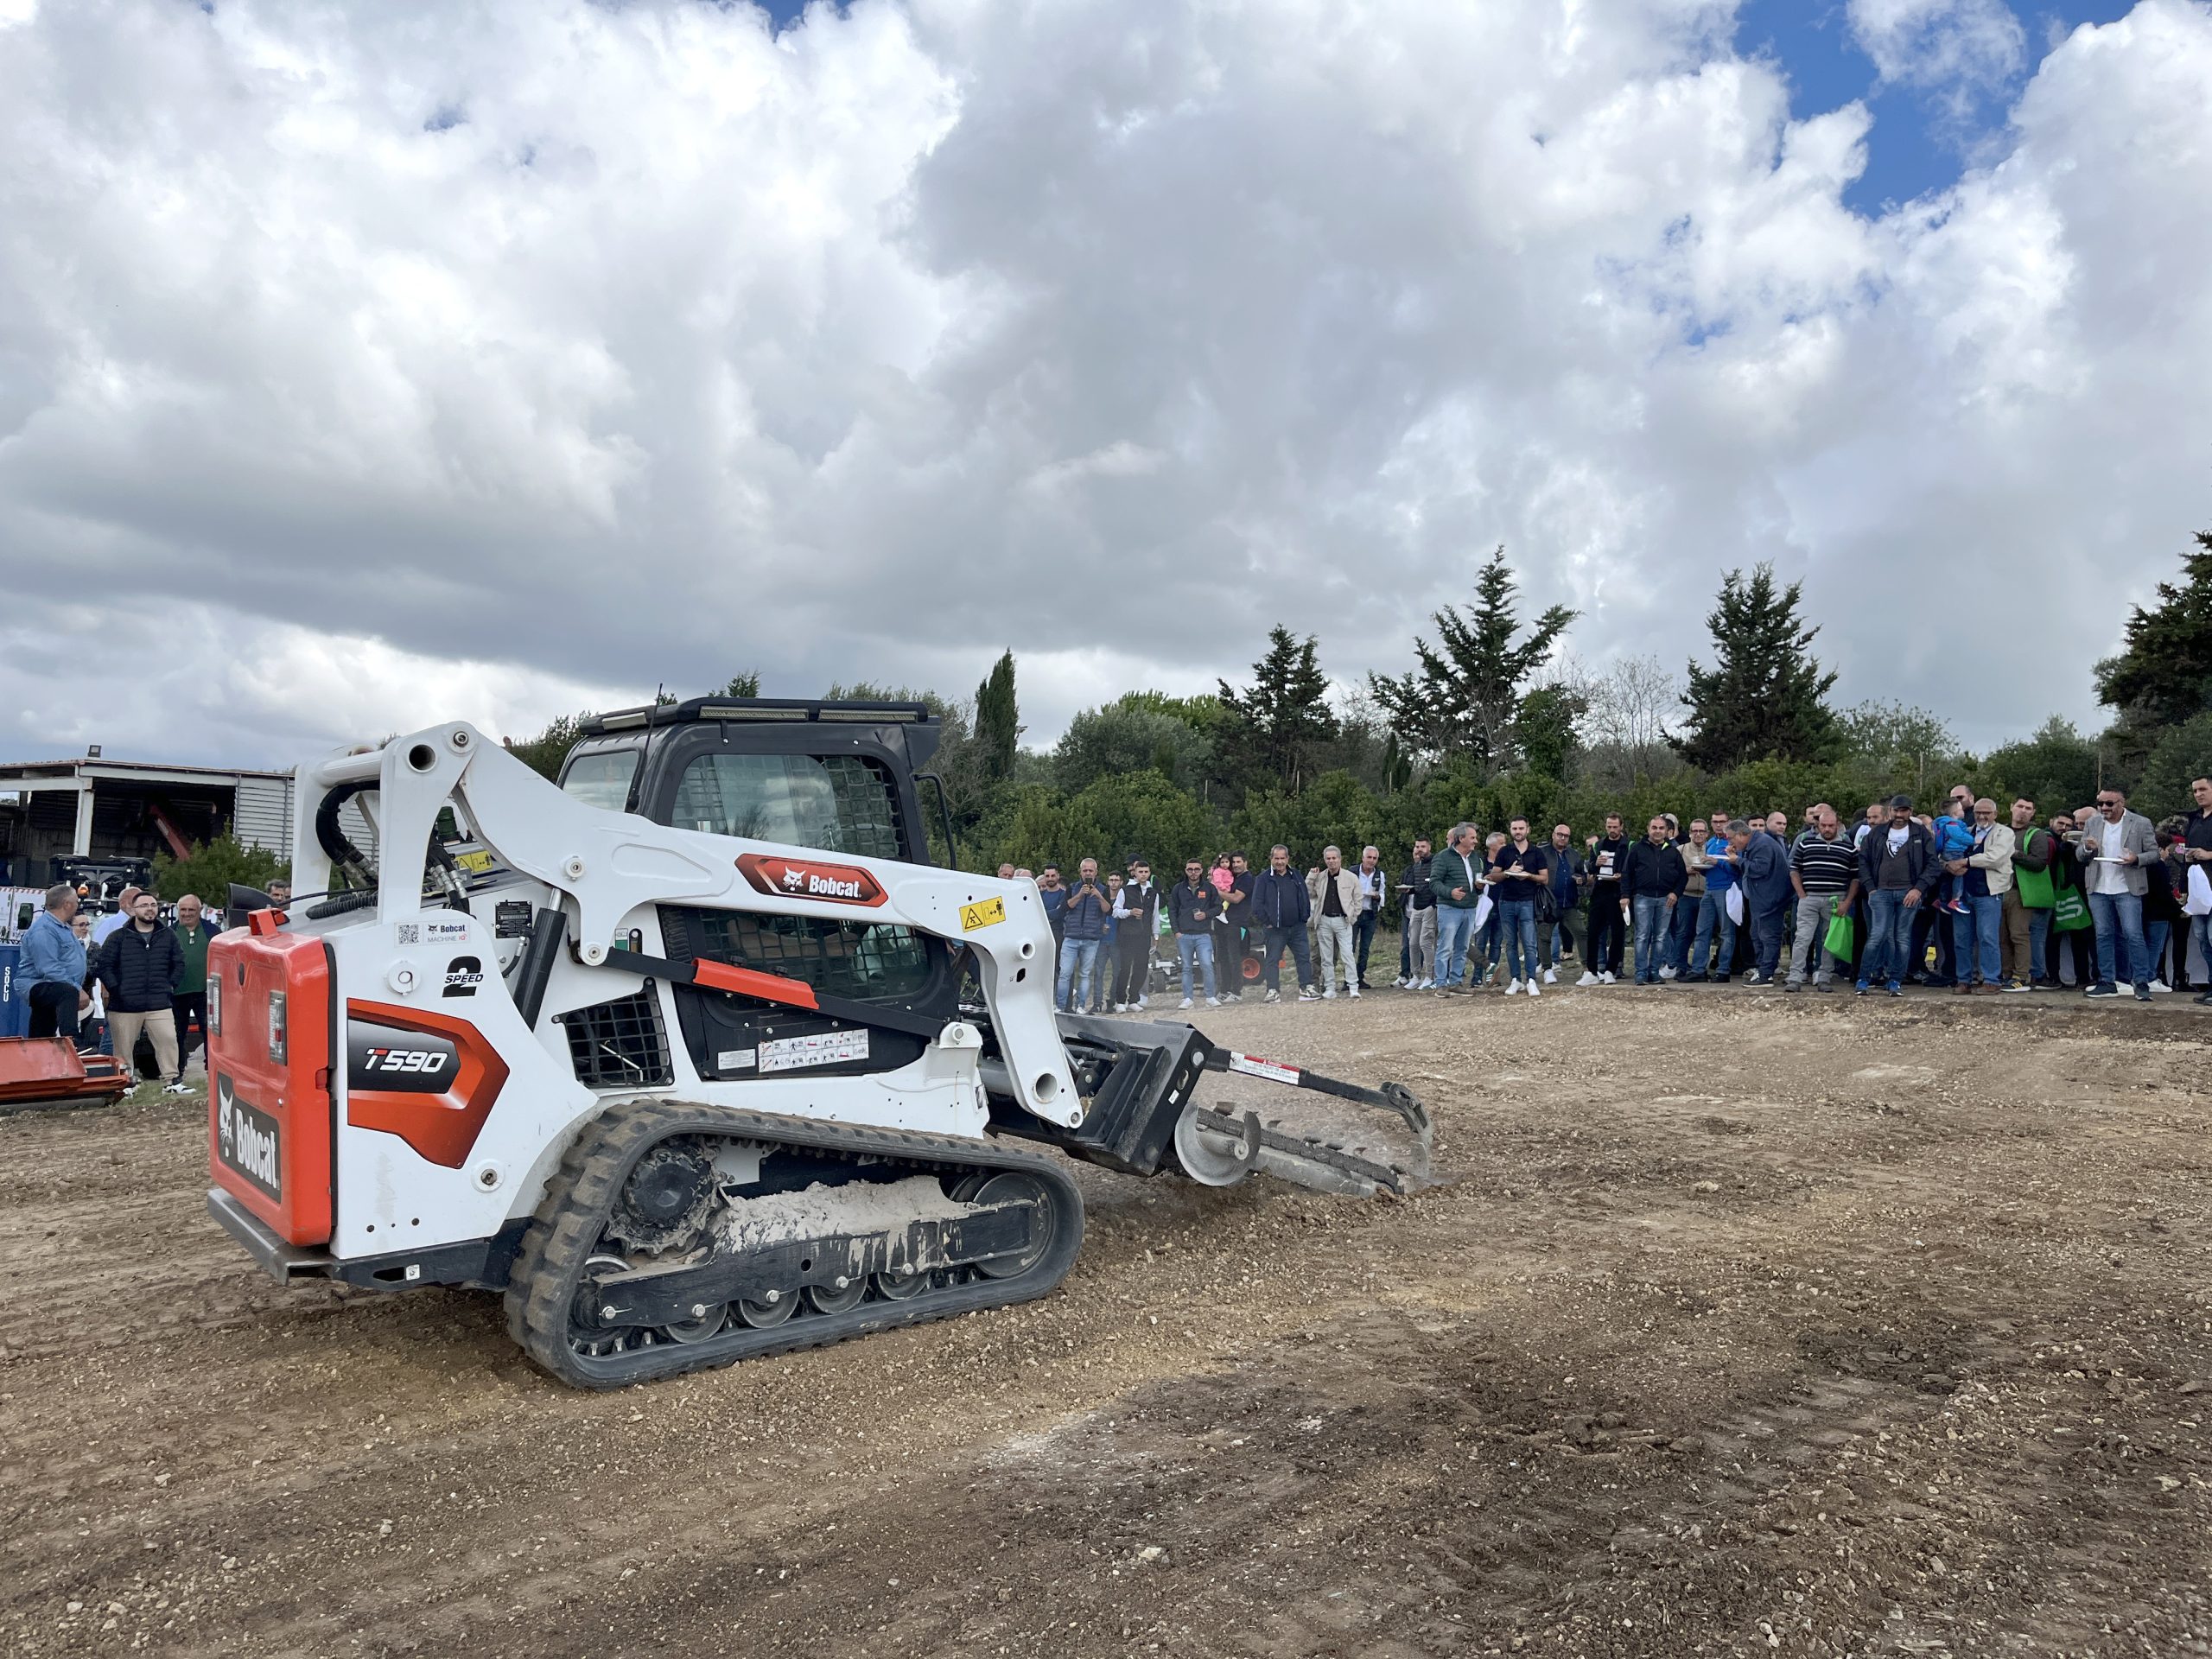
580,1198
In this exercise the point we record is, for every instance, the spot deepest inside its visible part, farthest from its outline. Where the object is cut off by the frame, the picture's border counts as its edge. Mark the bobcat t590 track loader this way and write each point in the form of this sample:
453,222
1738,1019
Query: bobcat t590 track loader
694,1056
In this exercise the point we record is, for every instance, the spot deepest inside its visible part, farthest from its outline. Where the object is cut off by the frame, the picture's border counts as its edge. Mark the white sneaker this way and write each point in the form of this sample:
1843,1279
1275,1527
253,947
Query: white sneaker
1424,985
2159,988
1605,979
1213,1002
1533,991
1513,988
1142,1003
1550,978
1273,996
1307,993
1399,983
1666,973
1328,995
1588,978
1186,1002
1354,993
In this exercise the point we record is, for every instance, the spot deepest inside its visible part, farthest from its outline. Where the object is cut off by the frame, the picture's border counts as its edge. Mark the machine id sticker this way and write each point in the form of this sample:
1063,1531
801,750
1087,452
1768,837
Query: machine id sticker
733,1059
428,933
1252,1064
981,913
824,1048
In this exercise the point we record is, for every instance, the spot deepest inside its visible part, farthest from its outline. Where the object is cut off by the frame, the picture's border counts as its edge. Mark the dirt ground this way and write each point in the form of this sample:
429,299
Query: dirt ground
1744,1324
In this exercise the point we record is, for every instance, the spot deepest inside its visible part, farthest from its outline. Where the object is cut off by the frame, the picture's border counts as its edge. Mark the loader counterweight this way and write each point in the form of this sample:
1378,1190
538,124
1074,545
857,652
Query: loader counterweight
269,1100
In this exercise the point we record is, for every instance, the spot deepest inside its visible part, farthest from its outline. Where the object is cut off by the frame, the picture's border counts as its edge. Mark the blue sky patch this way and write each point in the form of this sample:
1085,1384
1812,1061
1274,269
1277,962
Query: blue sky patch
1923,137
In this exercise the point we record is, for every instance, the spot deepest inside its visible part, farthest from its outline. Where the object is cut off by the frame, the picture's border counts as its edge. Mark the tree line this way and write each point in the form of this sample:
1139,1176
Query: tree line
1494,718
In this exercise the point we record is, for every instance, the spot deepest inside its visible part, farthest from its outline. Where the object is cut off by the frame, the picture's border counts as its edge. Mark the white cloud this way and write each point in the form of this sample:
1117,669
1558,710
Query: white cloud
1968,44
511,359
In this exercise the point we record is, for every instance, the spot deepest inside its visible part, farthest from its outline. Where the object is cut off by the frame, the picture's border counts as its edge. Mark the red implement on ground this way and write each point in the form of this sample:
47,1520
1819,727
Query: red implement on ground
48,1071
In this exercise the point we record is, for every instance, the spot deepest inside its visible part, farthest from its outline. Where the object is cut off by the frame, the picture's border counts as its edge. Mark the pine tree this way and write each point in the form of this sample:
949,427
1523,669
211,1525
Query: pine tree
2163,675
998,722
1271,731
741,685
1765,696
1466,696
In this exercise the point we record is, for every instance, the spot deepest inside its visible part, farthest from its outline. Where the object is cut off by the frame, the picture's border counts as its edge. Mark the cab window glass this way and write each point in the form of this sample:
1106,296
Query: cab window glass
602,779
837,803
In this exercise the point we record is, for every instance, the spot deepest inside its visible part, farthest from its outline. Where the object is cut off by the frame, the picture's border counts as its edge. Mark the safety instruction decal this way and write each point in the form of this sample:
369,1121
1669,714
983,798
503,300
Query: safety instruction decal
824,1048
982,913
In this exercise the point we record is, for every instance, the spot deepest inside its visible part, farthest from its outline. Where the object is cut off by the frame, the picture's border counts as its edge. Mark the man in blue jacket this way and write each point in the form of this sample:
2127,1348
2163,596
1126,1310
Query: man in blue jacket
1767,893
51,968
1280,906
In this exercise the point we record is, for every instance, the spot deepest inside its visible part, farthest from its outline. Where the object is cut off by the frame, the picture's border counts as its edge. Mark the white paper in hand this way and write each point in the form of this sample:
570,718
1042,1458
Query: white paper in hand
1482,912
2200,892
1735,902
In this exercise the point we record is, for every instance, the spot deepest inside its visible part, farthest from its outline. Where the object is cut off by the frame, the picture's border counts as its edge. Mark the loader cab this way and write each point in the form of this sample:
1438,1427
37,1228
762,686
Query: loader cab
835,776
832,777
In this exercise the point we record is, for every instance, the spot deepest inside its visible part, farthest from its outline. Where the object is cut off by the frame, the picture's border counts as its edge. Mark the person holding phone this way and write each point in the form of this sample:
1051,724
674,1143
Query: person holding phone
1083,932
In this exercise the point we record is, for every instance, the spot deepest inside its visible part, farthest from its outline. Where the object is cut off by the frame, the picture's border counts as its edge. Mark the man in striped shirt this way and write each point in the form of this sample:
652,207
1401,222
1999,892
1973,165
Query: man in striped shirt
1824,869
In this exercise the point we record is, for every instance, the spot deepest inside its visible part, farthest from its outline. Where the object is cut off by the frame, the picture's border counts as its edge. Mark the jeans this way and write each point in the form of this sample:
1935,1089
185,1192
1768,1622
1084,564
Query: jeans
1681,925
1973,937
1078,974
1334,933
1712,917
1653,919
2119,916
2156,936
2200,928
1132,964
1888,950
1454,927
1809,948
1274,939
1766,937
1362,939
1195,947
1517,925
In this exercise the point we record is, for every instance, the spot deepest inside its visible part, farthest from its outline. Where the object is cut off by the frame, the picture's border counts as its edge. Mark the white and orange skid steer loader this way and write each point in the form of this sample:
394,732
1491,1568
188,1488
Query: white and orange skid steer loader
695,1055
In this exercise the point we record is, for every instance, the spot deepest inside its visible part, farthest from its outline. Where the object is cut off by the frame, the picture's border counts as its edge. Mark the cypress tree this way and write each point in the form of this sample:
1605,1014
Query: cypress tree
998,722
1765,695
1272,730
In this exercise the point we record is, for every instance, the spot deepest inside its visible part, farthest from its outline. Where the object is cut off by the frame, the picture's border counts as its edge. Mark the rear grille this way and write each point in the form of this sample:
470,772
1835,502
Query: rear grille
619,1044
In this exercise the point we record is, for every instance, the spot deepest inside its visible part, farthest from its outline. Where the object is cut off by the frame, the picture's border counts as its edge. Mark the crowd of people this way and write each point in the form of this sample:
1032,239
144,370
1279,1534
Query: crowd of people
103,981
1979,898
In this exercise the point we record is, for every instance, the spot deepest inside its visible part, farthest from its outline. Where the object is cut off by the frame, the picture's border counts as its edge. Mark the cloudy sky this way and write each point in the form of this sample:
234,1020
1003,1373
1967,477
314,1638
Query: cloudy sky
365,365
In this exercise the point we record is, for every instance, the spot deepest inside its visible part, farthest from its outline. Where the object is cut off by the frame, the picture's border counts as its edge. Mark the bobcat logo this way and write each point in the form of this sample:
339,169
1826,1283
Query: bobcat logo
794,881
246,1140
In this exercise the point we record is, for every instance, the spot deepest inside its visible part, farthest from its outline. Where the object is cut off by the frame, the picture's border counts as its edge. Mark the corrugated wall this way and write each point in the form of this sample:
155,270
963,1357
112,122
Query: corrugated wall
262,814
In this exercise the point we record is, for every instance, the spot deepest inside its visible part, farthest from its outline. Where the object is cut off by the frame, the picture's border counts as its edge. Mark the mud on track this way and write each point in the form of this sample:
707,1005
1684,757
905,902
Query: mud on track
1747,1325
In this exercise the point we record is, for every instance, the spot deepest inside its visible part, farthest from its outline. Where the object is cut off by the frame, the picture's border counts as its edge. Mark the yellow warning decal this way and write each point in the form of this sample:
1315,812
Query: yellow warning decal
981,914
476,863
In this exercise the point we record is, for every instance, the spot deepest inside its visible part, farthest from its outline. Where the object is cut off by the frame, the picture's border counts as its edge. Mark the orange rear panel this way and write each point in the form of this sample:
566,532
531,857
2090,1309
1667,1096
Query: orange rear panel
269,1115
